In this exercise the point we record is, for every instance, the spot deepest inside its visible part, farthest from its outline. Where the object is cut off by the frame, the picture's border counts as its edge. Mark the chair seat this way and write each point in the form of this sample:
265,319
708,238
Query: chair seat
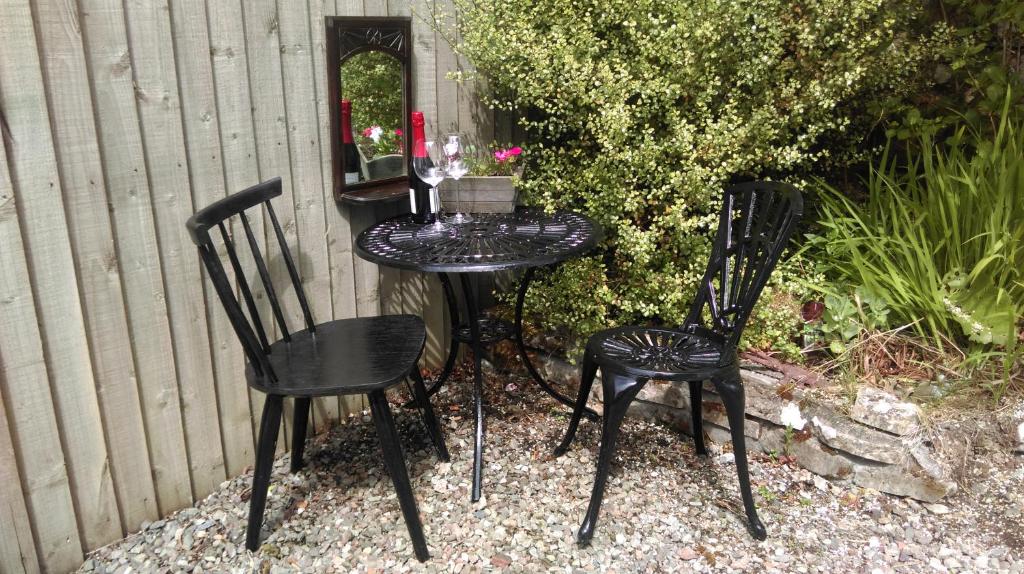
348,356
658,353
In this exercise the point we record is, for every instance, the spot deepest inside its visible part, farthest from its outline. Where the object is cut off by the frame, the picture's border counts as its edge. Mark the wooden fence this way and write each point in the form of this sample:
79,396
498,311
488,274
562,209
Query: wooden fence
121,389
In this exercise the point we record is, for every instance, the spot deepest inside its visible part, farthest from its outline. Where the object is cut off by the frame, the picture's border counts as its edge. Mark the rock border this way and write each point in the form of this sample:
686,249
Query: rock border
880,444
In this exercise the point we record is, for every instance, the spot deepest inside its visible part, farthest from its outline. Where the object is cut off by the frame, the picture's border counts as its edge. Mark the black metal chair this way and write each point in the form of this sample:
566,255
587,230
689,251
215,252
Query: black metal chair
350,356
756,222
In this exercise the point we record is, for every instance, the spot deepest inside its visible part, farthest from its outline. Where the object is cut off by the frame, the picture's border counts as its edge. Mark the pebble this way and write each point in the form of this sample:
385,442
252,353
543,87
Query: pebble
665,509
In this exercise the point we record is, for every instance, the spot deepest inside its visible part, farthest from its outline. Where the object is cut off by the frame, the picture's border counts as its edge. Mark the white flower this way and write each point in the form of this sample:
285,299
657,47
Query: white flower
790,416
375,133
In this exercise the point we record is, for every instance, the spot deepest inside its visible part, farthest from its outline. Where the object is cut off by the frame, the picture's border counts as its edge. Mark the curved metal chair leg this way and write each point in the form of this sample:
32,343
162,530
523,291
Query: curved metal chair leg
697,416
587,375
395,463
619,391
300,423
521,346
730,388
419,394
270,423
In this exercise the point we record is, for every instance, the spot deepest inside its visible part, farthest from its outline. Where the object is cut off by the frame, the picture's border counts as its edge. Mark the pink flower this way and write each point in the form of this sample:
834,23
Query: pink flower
515,151
367,132
501,155
398,131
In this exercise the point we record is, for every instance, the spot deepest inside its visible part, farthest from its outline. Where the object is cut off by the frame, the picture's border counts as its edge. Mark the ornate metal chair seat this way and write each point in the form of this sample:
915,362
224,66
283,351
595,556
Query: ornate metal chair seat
659,353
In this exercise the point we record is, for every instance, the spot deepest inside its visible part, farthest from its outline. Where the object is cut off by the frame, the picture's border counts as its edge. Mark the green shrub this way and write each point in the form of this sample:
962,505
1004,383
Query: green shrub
973,74
373,81
939,238
640,111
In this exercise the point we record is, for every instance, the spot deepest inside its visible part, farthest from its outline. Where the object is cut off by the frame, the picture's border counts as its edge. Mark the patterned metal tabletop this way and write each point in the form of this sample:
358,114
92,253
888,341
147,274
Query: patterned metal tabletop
493,241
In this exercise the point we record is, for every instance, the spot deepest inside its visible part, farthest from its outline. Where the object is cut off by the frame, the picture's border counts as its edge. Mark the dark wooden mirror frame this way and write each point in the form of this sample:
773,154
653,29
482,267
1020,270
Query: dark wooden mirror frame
346,37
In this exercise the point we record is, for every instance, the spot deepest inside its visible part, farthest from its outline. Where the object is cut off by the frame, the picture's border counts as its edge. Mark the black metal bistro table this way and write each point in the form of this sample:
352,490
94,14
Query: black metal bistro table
526,239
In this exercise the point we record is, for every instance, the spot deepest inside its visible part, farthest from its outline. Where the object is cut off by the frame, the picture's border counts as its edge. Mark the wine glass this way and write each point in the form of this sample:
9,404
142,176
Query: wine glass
428,164
456,166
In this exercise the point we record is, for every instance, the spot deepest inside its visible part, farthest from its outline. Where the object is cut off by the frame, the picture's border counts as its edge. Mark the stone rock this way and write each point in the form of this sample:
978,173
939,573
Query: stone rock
713,411
765,396
1020,439
820,459
666,393
841,433
678,419
903,480
883,411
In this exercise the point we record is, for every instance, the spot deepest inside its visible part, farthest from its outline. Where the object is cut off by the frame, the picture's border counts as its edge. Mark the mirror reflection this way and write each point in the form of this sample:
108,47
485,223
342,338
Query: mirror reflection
372,95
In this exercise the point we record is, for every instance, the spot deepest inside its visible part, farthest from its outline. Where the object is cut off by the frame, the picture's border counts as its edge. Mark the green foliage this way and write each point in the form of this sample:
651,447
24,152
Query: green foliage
971,74
847,317
640,111
939,238
373,82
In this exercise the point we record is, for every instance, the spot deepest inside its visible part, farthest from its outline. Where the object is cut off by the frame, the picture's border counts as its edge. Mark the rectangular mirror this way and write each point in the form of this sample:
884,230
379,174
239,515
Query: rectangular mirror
370,87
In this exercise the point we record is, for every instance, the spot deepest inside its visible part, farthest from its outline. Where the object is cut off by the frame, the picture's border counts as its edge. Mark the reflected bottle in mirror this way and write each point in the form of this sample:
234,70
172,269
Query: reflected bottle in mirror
350,155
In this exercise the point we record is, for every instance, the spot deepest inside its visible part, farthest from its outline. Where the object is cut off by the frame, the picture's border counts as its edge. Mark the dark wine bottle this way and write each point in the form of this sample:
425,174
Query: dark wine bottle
349,153
419,191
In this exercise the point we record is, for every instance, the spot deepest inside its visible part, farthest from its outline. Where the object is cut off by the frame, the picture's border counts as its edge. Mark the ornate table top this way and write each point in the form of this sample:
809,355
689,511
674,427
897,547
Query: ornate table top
493,241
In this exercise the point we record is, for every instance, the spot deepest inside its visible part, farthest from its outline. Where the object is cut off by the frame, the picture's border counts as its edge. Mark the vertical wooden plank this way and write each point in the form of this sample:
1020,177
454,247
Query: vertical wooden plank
363,273
82,180
124,164
263,48
475,117
339,233
442,92
297,61
391,279
375,7
17,549
159,113
28,419
34,175
238,151
202,146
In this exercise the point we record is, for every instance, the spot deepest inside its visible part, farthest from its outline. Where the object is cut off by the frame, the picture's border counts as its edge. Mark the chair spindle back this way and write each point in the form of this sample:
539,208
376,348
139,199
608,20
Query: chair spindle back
755,224
250,330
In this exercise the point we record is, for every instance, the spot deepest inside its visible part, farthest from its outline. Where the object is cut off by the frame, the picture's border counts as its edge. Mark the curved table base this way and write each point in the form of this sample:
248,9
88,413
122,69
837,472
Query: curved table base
476,339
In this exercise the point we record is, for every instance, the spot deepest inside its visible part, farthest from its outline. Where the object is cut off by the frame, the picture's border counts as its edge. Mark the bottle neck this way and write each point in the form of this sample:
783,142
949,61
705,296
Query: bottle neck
346,122
418,137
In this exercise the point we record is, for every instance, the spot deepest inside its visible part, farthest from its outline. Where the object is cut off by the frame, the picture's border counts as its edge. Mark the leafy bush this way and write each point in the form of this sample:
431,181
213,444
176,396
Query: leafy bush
973,74
940,236
373,81
640,111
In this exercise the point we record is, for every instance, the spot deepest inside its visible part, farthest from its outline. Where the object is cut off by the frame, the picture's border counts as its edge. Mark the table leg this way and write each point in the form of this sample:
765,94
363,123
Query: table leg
478,387
518,336
453,350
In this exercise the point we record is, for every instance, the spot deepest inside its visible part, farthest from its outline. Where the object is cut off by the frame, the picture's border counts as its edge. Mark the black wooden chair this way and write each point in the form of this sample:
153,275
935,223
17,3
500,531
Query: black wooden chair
350,356
755,224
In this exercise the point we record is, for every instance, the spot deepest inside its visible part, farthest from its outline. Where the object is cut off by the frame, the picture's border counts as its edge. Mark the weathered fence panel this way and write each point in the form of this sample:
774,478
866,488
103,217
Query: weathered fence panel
122,394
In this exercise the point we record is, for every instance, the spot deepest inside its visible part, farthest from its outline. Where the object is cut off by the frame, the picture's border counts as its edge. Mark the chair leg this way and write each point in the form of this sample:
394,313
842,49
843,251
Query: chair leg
395,464
587,375
300,421
270,423
697,416
730,388
619,392
429,420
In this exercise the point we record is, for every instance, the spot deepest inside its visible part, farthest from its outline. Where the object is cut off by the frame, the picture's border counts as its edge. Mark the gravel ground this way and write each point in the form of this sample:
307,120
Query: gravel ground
665,509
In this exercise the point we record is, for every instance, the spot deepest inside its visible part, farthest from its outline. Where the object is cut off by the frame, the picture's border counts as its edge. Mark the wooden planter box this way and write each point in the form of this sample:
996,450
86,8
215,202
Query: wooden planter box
479,194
